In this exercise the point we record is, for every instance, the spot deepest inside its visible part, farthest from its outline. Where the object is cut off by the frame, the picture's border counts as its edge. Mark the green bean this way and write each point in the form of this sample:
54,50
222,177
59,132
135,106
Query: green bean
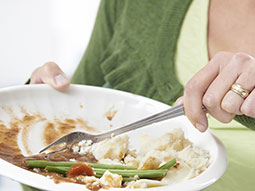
124,179
169,164
111,166
99,169
124,173
43,164
128,179
60,170
63,170
132,173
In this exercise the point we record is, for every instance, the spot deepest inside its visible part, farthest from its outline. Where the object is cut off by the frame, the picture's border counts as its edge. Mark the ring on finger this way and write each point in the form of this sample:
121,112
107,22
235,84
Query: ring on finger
239,90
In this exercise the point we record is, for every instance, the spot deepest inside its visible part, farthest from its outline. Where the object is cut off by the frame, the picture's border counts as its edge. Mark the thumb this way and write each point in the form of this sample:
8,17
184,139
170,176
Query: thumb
61,81
51,74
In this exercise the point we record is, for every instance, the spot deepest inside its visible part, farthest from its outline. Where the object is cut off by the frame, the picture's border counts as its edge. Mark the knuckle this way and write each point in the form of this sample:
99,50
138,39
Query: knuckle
252,66
228,107
209,101
48,66
250,70
220,54
226,119
235,65
191,86
34,73
247,110
221,59
241,58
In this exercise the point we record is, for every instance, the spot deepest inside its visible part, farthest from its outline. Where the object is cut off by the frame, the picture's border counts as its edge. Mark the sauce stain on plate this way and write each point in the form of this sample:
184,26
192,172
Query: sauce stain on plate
24,124
110,113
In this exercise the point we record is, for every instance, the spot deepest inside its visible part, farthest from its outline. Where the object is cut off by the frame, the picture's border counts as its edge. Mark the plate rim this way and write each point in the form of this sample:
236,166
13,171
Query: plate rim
221,149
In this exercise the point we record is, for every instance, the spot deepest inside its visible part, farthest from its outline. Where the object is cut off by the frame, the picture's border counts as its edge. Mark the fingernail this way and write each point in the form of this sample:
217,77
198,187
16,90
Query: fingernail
61,80
178,102
200,127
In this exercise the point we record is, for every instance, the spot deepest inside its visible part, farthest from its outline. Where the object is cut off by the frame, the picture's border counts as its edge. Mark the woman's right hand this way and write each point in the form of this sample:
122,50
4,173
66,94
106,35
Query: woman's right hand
50,74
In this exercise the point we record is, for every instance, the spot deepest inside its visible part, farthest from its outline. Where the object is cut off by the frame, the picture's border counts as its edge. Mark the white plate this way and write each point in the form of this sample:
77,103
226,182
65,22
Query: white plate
91,104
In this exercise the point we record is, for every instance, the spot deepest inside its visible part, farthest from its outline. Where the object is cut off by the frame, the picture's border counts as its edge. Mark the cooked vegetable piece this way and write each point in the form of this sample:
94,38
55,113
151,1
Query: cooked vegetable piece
60,170
124,179
169,164
124,173
80,169
129,179
111,166
44,163
132,173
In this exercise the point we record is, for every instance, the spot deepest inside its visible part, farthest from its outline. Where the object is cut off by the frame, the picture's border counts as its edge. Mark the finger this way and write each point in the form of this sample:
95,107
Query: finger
51,74
248,106
232,102
197,87
179,101
35,77
219,88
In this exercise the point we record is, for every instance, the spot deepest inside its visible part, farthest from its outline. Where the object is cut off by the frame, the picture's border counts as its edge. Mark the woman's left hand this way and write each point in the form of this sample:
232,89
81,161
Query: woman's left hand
211,87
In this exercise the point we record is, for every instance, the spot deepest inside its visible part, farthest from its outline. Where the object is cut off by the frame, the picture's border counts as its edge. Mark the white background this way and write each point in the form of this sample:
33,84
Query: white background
33,32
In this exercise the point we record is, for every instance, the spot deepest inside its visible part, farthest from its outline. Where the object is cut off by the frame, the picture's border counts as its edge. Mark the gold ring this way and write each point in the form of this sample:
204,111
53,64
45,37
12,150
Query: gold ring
238,89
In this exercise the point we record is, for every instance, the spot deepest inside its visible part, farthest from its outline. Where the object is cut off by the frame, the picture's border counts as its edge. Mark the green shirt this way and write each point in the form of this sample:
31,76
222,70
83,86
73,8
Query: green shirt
133,48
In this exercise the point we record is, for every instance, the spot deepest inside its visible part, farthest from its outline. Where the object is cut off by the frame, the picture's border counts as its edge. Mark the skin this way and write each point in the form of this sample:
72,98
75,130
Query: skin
50,74
231,27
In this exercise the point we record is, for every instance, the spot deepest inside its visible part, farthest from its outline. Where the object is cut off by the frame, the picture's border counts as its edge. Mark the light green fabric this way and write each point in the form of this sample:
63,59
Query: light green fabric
191,56
191,53
240,174
133,48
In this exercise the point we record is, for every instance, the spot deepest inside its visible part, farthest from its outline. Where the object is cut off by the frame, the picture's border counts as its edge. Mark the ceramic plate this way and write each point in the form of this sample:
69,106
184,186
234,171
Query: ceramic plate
35,108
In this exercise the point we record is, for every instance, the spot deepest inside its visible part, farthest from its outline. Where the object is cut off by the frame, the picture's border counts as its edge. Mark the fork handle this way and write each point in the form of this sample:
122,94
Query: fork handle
164,115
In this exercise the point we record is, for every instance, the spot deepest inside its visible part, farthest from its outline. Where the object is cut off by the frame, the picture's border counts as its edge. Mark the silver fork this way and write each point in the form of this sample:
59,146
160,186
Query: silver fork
77,136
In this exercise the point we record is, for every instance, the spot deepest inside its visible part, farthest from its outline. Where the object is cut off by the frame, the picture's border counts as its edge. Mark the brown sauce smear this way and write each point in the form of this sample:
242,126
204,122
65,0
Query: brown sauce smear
26,123
10,151
110,113
57,128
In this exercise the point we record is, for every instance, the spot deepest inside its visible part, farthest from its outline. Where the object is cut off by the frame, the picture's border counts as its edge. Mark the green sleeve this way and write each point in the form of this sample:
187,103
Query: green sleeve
89,70
246,121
